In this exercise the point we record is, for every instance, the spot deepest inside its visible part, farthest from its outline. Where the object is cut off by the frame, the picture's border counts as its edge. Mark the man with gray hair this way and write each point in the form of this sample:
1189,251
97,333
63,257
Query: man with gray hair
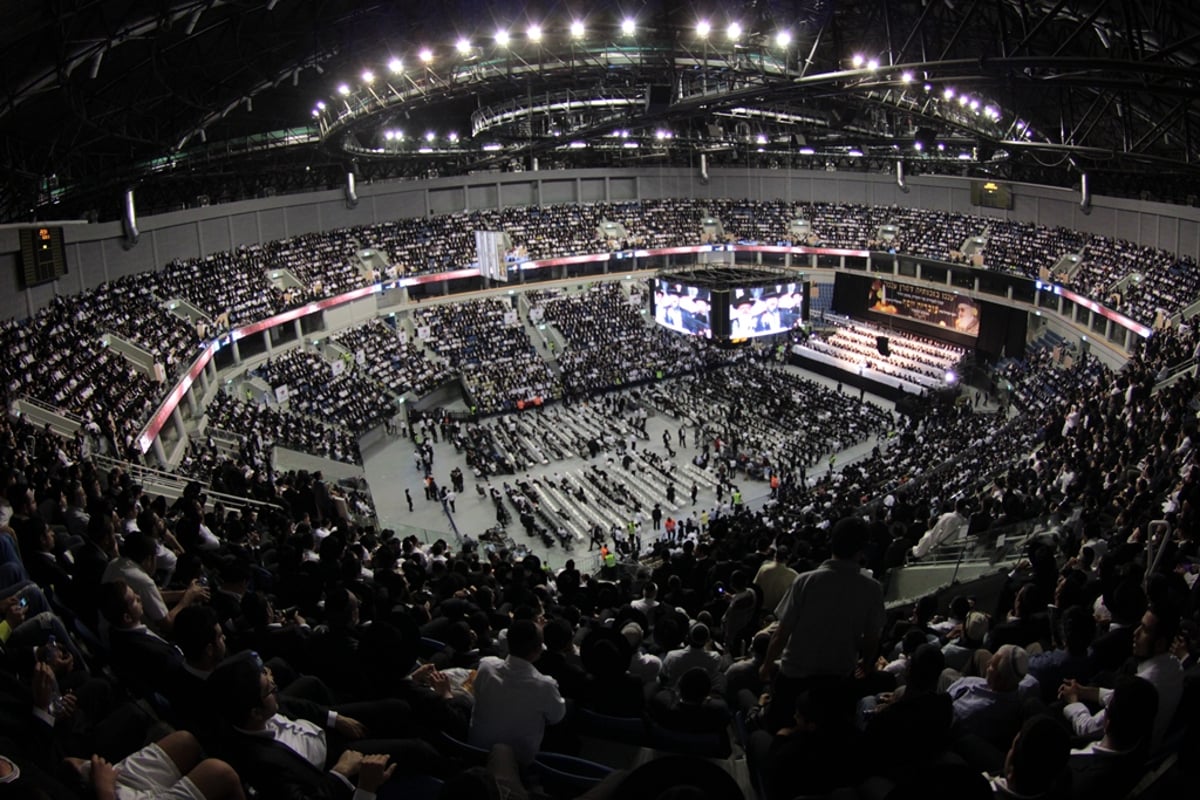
990,707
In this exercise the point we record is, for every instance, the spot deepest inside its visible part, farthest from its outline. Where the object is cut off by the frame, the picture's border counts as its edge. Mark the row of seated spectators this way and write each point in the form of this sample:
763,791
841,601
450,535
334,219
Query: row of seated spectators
57,357
608,342
1026,248
1165,283
349,400
499,365
391,360
264,426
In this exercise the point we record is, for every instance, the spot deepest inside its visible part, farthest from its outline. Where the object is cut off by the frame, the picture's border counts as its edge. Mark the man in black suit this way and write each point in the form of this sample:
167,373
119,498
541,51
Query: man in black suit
91,559
141,658
292,758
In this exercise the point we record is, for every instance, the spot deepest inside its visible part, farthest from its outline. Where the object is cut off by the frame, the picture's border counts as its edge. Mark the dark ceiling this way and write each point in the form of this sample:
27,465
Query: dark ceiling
198,101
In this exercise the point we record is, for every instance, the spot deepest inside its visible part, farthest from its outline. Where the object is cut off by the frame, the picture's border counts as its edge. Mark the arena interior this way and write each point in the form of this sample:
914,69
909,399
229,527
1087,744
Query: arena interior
769,399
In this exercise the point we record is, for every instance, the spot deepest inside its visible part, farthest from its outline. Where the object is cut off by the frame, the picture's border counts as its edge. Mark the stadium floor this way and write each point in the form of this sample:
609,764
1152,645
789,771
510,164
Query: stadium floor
390,469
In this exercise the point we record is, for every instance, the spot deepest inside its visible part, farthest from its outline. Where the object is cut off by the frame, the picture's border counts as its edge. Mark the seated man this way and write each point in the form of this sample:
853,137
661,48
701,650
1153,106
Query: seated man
692,708
513,701
1151,647
1034,767
696,654
282,757
990,707
141,658
1111,767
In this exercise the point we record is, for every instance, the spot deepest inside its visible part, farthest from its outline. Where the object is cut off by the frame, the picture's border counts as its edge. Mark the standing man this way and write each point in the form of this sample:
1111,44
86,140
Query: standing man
695,489
513,701
408,499
656,516
830,622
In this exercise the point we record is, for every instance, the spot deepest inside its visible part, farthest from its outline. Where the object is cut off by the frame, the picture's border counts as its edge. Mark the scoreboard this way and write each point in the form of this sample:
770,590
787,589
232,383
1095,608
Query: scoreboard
43,257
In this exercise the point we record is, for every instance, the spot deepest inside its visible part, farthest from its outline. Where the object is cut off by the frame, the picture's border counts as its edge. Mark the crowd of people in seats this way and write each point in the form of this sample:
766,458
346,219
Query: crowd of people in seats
607,343
1027,248
756,421
500,367
294,653
1161,280
392,360
264,426
349,400
58,359
235,288
231,286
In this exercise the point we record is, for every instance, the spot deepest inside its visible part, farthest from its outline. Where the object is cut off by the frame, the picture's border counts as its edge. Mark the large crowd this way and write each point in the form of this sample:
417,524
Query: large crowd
182,649
333,391
255,281
287,650
485,342
607,342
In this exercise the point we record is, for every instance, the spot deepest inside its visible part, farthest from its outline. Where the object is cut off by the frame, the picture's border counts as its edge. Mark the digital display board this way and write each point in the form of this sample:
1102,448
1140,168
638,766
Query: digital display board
922,304
42,255
991,194
683,308
766,310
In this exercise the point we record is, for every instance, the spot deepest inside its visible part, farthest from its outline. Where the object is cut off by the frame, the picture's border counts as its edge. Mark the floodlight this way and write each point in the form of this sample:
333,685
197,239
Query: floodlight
343,89
857,61
368,77
703,28
534,33
577,29
396,66
734,31
463,45
502,38
426,55
783,38
628,26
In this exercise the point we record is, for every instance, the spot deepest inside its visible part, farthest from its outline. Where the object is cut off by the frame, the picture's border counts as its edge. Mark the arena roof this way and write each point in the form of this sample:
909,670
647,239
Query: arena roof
204,101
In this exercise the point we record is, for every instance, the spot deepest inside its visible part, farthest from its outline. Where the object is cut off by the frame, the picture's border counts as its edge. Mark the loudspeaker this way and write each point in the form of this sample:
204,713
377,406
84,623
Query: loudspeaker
881,344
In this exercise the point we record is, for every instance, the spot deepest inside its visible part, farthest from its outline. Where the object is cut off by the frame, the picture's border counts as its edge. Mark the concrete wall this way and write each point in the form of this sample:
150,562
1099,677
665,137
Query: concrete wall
95,253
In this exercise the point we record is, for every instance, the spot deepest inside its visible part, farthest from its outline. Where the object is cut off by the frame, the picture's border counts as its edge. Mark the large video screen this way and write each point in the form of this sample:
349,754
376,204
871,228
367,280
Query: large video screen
682,308
764,310
930,306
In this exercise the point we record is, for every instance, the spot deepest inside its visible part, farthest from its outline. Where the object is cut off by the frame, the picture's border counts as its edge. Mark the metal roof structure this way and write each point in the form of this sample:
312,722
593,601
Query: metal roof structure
206,101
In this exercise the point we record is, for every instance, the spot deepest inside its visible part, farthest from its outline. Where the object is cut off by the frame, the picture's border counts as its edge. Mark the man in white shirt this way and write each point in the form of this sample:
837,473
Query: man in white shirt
1151,646
513,701
946,529
135,566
